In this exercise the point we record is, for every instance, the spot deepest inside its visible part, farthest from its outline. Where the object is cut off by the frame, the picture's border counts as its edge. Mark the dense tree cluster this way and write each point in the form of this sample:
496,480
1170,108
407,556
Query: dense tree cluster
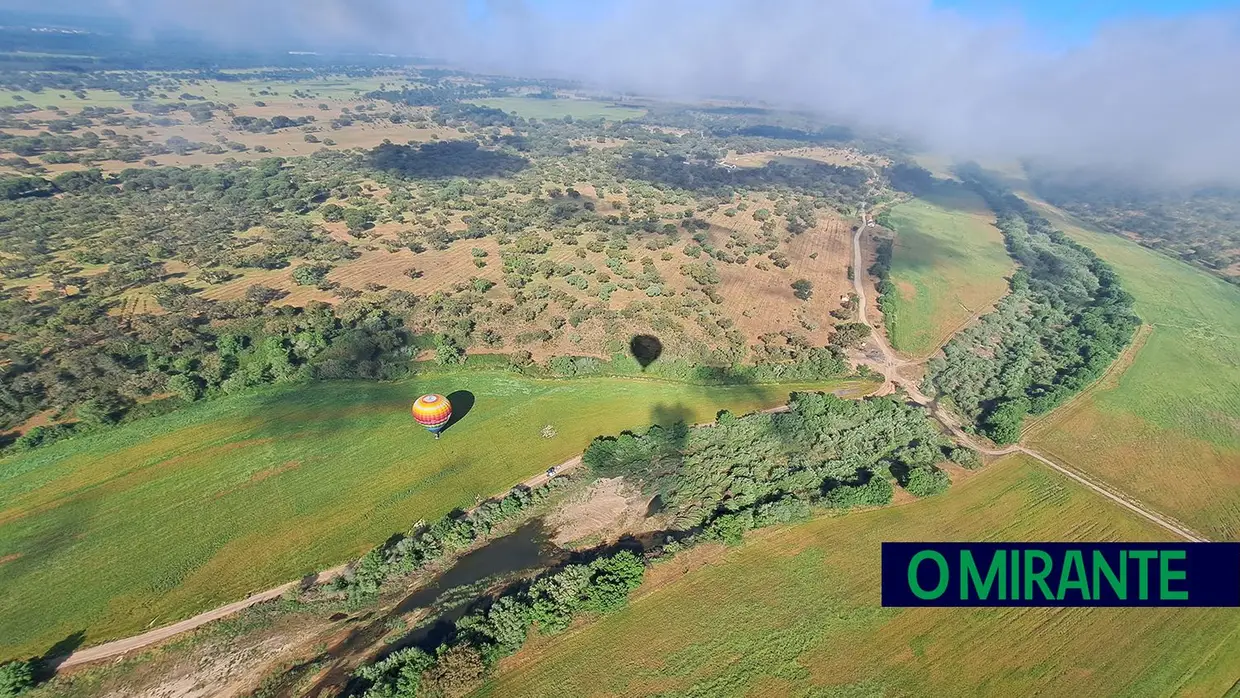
700,172
881,270
74,357
445,159
1064,322
762,468
256,124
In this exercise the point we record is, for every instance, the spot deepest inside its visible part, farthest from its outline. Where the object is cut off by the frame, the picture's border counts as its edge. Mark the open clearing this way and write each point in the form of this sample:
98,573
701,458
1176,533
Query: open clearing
948,263
534,108
1167,430
163,518
795,612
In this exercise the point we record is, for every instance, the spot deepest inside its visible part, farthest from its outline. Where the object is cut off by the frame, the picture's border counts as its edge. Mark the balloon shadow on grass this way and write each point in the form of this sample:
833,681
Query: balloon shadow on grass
462,402
646,349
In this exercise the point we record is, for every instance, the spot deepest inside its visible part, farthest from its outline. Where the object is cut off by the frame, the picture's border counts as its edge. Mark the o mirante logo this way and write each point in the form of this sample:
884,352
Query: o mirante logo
1061,574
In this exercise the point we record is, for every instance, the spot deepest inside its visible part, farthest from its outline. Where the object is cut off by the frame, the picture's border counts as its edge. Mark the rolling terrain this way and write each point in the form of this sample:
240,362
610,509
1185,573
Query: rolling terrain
948,264
794,611
151,522
1165,429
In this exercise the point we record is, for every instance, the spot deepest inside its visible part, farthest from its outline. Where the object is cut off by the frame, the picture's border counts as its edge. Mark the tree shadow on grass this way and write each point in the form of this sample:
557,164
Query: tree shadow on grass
46,665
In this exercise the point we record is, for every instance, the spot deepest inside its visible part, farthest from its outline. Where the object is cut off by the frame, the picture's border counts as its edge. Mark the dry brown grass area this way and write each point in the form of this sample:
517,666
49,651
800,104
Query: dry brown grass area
440,268
761,302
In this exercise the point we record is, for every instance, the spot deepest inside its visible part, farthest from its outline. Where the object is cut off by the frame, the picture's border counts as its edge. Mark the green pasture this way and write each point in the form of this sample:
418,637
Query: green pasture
145,524
1167,430
795,611
948,262
532,108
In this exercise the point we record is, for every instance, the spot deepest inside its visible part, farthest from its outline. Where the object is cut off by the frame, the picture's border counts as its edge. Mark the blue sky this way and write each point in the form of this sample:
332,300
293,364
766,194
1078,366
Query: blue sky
1076,20
1057,21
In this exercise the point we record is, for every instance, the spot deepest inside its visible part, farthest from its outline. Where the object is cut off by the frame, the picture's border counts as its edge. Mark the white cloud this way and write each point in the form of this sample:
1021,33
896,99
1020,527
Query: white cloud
1153,96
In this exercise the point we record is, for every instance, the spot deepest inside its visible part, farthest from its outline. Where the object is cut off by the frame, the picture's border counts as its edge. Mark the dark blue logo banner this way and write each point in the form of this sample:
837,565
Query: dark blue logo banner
1061,574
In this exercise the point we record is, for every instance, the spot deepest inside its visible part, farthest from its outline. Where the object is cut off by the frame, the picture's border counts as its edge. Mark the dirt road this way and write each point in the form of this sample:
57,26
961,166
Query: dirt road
129,644
890,364
888,367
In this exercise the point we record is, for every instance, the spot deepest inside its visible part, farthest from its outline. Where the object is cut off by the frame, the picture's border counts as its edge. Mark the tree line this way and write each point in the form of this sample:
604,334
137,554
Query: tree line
1064,321
547,606
404,554
745,472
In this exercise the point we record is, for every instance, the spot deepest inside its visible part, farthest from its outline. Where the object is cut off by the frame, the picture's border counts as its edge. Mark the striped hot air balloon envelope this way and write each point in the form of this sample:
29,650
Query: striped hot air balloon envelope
433,412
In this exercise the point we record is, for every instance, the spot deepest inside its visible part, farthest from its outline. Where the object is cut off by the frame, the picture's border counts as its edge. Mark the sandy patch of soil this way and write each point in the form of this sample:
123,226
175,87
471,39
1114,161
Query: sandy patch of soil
607,510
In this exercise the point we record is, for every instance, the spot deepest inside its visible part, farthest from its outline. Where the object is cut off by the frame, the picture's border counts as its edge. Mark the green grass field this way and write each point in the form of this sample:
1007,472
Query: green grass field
163,518
948,262
1167,431
532,108
795,611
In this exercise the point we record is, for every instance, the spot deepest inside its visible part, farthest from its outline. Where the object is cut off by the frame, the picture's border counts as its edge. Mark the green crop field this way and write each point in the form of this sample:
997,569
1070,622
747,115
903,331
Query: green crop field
948,262
794,611
151,522
532,108
1167,429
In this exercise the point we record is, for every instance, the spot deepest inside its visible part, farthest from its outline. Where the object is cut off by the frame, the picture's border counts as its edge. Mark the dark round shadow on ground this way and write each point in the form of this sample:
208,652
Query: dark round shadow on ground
462,402
645,348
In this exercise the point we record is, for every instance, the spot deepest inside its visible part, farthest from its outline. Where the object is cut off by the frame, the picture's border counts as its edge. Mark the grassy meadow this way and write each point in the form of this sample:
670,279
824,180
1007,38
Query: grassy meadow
1167,429
533,108
154,521
794,611
948,262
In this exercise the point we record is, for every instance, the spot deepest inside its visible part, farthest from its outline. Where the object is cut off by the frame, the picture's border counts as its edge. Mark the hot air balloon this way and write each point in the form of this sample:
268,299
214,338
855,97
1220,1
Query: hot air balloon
433,412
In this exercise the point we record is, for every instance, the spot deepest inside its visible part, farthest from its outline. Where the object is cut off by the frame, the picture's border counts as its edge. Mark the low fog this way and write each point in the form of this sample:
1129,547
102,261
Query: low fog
1156,97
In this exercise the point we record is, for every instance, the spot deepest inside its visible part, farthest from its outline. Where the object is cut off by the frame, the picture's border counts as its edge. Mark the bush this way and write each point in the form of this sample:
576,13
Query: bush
1004,422
15,678
965,457
850,334
803,289
185,387
877,492
331,213
457,671
923,482
310,274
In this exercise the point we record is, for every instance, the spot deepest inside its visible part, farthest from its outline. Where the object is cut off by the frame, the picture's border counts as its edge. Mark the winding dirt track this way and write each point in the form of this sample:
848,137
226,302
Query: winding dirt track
890,366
